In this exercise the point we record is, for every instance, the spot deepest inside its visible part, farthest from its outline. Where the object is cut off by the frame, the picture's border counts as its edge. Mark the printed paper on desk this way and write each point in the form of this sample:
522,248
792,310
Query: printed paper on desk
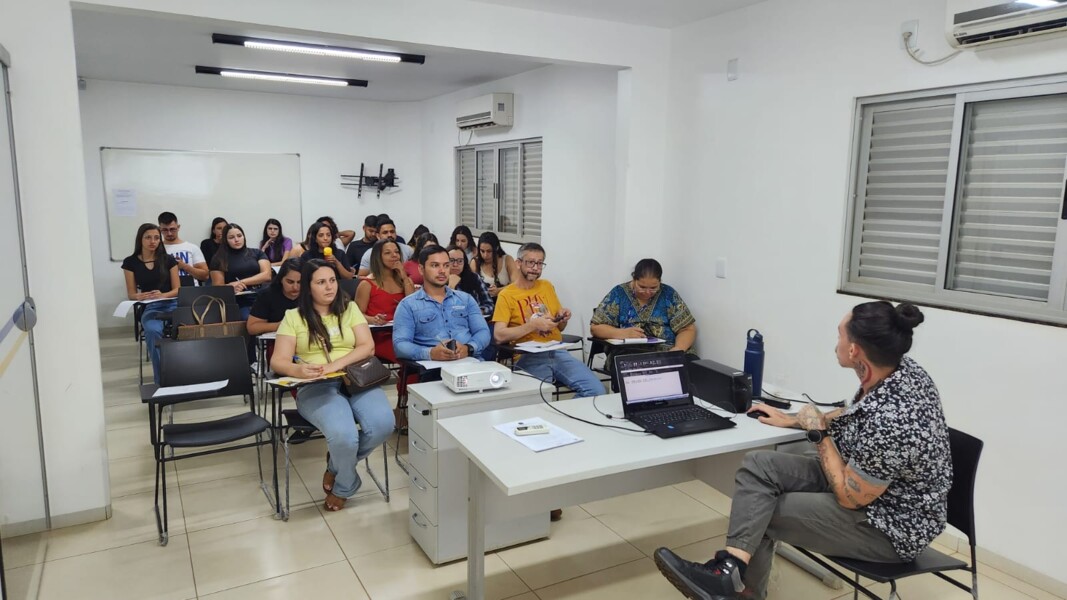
177,390
437,364
533,347
556,436
386,324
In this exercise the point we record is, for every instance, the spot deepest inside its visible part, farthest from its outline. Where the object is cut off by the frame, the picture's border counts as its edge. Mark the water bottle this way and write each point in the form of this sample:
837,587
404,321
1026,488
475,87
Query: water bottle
754,361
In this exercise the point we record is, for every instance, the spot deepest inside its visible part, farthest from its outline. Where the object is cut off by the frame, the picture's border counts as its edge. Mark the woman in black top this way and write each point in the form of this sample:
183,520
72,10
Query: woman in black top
211,245
240,266
151,276
280,296
320,237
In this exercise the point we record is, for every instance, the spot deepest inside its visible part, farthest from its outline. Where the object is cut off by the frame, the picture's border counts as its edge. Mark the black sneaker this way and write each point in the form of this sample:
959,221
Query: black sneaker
718,579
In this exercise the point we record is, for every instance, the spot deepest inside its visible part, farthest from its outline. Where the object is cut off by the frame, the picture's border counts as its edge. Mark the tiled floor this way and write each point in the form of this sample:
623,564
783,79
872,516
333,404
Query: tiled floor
225,544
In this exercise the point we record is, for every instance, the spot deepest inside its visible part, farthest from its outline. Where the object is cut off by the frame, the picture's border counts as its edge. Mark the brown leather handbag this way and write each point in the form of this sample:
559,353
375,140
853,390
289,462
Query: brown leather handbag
364,375
210,330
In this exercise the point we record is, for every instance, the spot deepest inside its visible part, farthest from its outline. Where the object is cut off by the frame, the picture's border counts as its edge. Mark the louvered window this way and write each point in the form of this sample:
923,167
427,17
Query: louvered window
498,188
959,200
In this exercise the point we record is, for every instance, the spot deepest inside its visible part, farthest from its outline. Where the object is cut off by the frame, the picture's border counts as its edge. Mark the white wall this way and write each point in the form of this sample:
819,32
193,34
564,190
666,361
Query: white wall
573,110
760,169
332,137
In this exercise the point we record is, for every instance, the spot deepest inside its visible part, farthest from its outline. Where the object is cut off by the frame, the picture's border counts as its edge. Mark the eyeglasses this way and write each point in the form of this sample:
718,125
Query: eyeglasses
168,229
456,261
539,264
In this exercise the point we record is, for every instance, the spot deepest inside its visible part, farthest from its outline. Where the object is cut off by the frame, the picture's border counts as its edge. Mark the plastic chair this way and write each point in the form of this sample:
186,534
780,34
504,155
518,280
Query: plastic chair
200,361
966,450
297,430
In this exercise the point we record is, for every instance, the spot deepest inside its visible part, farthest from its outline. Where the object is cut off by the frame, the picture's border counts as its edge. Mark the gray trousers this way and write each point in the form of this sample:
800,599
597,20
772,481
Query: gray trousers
785,497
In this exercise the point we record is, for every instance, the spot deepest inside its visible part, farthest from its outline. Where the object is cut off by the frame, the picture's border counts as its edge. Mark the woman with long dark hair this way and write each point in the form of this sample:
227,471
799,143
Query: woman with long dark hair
274,243
319,244
213,242
244,268
463,239
378,295
496,268
462,278
324,334
152,276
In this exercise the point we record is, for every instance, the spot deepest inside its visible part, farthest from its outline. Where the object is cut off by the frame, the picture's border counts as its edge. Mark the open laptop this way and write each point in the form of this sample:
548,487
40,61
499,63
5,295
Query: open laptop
656,397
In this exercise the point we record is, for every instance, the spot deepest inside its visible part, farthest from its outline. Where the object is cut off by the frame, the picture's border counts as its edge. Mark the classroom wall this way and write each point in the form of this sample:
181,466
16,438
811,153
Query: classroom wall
573,109
759,176
332,137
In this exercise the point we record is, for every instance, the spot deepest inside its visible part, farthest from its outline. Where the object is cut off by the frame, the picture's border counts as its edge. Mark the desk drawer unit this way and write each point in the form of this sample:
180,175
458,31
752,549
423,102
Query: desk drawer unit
421,419
423,496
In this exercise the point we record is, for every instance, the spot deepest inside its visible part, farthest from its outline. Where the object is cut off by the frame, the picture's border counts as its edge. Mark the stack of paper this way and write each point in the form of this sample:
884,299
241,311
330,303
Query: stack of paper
533,347
556,436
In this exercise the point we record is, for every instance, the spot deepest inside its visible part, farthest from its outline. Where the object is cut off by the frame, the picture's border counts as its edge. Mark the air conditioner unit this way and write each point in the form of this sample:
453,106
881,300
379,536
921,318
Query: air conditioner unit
490,110
976,23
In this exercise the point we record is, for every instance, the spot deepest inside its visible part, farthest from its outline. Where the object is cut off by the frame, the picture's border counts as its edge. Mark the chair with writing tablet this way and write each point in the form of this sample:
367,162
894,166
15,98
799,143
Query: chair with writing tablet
966,450
187,362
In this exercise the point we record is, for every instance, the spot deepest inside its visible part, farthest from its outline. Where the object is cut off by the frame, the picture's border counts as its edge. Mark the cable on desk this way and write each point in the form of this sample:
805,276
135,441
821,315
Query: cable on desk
541,390
806,398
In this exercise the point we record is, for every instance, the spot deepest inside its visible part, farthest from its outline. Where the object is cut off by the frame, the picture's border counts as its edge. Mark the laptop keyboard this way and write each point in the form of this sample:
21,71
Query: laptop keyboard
678,415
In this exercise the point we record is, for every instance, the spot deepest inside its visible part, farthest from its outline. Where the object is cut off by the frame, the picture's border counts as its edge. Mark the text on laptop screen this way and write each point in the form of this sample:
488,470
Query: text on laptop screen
652,379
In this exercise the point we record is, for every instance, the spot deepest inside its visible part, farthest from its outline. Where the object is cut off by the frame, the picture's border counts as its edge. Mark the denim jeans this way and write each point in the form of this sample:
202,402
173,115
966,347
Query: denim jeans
559,366
152,324
336,415
785,497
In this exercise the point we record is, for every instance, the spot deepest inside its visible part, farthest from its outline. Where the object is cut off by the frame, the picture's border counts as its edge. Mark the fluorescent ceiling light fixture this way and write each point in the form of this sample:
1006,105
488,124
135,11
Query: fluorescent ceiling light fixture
1038,3
281,77
316,49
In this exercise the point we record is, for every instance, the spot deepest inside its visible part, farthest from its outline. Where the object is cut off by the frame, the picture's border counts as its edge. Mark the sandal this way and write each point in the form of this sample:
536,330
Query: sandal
334,503
328,477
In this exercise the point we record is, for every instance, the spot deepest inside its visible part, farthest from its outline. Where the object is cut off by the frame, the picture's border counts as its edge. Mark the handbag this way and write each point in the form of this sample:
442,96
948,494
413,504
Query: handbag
364,375
210,330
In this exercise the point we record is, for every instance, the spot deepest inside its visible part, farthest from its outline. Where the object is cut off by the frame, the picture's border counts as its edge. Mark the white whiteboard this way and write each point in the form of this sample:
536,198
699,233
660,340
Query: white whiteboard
243,188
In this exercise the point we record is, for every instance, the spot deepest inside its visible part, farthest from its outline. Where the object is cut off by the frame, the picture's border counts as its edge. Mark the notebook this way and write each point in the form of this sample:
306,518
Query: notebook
656,396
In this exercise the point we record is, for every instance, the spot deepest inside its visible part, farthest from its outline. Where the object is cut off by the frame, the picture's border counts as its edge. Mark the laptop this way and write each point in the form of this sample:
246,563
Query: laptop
656,397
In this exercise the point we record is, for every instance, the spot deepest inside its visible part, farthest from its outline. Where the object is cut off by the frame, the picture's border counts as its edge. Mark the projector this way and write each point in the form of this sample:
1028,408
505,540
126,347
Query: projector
475,376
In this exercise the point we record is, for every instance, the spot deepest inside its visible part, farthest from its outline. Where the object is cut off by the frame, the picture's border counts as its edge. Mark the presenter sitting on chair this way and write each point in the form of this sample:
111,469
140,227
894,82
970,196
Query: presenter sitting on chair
437,322
878,490
151,274
529,309
324,334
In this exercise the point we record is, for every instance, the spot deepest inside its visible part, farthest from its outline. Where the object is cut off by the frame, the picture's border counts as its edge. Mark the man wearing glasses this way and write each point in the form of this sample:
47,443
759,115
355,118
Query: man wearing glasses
529,309
191,264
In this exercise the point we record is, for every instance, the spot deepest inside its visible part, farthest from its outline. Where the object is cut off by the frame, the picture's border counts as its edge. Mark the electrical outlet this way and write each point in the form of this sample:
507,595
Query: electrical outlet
911,27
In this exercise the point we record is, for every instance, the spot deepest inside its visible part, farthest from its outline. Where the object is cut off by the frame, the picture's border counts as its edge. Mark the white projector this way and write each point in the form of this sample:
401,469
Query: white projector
475,376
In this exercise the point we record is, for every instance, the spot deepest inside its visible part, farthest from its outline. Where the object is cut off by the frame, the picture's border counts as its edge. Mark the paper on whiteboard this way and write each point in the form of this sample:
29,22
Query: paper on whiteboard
124,203
556,436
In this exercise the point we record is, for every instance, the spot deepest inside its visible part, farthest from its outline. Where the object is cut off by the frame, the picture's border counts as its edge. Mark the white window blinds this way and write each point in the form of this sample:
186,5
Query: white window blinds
531,190
1008,206
903,193
466,186
498,188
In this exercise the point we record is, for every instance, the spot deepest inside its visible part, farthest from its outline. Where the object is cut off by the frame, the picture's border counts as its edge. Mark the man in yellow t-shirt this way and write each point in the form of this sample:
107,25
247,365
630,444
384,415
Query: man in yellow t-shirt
529,309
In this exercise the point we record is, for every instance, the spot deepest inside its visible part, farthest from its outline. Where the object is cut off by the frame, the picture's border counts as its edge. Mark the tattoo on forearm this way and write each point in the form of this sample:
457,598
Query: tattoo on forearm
852,483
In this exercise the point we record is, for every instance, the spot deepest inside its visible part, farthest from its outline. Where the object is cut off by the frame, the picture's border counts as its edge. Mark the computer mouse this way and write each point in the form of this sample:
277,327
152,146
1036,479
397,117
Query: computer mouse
755,414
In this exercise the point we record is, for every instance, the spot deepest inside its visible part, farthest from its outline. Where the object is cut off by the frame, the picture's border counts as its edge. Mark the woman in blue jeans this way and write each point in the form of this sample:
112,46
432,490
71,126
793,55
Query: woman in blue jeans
325,333
151,277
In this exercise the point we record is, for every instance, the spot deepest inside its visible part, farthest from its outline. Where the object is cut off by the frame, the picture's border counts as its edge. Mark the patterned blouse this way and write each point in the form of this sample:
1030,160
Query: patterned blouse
896,435
664,316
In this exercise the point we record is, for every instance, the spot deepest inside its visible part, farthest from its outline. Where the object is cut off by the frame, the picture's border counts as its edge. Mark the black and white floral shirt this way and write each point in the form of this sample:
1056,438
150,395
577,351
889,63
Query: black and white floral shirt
896,435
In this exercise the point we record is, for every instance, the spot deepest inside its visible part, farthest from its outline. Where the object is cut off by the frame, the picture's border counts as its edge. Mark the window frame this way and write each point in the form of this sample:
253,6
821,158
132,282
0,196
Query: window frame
498,176
1053,311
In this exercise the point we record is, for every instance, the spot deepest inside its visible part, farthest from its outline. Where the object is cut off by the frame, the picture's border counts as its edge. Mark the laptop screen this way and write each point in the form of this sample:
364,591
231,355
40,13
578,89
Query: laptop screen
651,380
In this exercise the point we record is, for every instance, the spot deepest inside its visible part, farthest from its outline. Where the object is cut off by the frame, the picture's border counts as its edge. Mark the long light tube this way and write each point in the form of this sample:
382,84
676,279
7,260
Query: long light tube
281,77
316,49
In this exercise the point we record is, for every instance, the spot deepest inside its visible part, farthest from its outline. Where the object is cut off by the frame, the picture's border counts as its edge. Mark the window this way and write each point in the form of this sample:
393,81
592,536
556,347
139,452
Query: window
958,200
498,188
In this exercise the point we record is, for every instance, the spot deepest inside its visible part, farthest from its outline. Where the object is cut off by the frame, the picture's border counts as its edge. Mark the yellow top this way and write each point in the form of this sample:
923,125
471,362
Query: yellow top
515,306
342,338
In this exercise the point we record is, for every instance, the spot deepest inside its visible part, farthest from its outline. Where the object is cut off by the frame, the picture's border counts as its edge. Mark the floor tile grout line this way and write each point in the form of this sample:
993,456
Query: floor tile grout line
237,587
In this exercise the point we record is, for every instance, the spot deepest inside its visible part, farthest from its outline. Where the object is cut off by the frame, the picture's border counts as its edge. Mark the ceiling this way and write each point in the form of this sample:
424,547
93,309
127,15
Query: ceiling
164,49
652,13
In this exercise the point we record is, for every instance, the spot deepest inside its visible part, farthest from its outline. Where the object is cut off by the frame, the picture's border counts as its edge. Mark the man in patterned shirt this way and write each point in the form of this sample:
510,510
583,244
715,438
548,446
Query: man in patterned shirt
878,490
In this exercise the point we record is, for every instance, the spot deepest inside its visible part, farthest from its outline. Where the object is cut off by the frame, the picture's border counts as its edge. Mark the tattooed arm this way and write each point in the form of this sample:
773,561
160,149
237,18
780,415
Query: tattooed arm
850,488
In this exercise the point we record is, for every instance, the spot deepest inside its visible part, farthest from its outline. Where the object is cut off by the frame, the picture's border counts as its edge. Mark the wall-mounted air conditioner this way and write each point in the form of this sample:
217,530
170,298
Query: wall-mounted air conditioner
490,110
977,23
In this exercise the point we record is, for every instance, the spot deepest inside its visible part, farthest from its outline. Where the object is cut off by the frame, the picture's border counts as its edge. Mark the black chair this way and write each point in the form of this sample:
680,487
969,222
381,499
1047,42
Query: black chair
966,450
186,295
349,286
297,430
200,361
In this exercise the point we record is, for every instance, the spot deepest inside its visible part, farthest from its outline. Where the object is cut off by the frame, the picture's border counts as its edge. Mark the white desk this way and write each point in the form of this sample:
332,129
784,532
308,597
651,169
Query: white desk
506,479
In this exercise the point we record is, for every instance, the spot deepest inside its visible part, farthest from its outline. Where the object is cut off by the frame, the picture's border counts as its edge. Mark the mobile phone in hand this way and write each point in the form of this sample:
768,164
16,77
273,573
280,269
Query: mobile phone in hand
451,345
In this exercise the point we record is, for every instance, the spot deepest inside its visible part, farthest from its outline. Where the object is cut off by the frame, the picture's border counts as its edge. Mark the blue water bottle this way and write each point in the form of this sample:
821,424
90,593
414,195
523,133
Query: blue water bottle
754,361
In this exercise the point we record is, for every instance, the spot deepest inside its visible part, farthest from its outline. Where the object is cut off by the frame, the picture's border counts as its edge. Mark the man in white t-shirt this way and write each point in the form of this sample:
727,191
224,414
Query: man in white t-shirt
386,231
192,268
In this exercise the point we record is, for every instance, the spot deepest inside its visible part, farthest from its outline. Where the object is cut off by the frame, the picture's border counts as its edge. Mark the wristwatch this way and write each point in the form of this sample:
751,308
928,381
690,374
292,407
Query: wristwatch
816,435
470,349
